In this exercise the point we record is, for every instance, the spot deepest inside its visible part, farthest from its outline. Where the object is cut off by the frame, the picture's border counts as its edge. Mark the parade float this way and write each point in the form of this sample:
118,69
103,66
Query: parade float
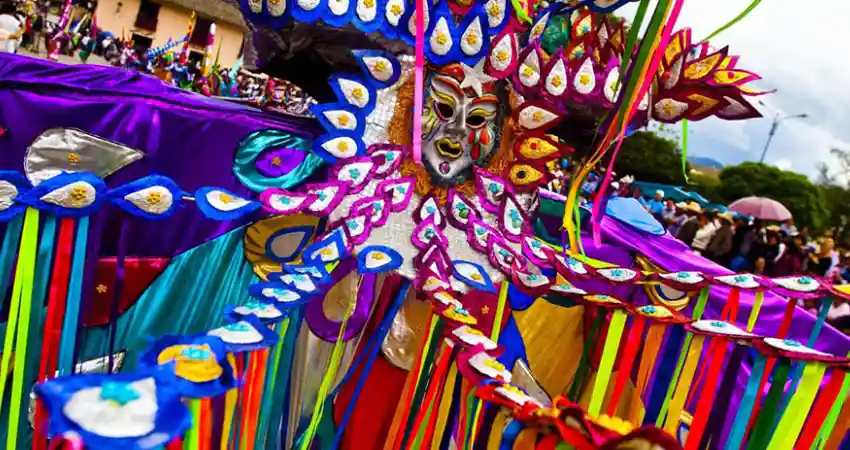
389,273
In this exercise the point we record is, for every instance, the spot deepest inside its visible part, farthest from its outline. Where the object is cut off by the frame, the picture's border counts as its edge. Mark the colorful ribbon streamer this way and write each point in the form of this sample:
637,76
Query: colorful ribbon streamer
791,422
21,307
419,82
606,364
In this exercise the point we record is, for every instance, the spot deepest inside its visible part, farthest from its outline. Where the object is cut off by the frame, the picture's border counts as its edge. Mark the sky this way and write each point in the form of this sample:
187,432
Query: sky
803,53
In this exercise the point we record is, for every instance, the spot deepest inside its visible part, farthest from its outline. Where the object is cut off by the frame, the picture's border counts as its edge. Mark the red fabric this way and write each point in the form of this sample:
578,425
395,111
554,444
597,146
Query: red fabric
629,352
139,273
549,442
433,397
373,413
706,398
821,409
730,310
57,296
372,416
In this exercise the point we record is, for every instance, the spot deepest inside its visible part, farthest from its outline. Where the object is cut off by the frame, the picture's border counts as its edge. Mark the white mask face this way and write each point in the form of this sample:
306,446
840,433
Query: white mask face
459,127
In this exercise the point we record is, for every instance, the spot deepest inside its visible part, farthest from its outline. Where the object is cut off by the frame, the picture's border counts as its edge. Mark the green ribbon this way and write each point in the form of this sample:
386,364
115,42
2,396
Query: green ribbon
832,417
699,308
422,383
583,365
42,282
770,409
685,149
735,20
22,292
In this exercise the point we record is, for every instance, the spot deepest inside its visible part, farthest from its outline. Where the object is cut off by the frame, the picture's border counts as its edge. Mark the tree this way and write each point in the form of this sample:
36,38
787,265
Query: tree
836,195
804,199
705,184
650,157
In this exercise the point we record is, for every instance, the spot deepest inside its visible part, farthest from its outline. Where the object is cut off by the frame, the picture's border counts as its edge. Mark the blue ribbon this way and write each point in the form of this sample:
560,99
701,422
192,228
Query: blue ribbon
9,251
742,418
509,436
664,373
72,309
372,350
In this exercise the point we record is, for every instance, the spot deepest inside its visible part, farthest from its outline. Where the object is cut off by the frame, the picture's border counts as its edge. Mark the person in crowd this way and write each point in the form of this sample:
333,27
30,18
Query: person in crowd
765,254
824,261
704,234
719,248
689,227
656,205
11,28
791,258
668,214
788,227
679,219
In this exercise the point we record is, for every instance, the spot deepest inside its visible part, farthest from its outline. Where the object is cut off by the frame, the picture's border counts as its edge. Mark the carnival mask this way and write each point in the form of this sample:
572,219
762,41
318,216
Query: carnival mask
460,124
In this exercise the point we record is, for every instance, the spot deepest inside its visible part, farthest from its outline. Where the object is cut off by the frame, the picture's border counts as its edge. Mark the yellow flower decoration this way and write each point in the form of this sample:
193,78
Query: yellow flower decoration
556,81
357,93
460,315
502,55
73,158
276,161
615,424
380,66
79,195
472,39
494,10
342,121
196,370
225,198
442,38
153,198
395,9
342,146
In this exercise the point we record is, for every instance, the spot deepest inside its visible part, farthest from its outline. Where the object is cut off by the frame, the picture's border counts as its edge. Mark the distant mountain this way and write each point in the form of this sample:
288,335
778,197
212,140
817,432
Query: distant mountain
705,161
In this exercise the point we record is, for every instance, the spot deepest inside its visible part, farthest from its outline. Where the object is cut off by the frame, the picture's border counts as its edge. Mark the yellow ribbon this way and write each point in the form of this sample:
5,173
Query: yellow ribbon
798,408
606,364
681,393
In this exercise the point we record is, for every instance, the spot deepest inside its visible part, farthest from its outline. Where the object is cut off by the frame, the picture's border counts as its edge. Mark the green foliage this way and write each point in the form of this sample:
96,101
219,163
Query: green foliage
650,157
803,198
705,184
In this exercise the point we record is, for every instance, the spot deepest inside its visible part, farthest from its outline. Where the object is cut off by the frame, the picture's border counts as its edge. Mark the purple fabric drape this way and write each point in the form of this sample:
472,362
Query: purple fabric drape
186,137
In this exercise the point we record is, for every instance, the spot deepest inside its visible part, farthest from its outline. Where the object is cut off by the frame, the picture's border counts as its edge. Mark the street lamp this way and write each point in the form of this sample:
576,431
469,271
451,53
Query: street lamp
776,121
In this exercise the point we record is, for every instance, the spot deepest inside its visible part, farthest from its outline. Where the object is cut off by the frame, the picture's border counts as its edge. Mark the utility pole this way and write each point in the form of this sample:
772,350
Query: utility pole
773,127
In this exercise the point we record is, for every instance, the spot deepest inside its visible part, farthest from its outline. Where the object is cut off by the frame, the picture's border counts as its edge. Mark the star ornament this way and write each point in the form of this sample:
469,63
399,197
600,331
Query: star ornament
474,77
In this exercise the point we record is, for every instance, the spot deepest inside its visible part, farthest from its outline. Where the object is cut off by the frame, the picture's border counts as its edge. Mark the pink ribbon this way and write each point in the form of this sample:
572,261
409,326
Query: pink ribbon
419,82
72,441
653,66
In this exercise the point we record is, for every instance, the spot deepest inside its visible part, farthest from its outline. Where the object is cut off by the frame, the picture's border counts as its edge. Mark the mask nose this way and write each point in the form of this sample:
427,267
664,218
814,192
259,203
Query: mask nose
457,127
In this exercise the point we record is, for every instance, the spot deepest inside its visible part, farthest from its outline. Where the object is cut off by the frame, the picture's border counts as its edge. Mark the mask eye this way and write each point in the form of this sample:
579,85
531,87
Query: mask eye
444,110
475,121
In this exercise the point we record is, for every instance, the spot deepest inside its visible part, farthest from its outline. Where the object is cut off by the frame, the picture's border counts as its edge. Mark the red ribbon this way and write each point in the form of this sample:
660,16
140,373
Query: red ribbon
821,409
53,323
633,343
706,398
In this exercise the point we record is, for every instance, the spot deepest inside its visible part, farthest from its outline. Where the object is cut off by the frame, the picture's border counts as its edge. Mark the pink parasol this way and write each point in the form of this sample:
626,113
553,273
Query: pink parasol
761,208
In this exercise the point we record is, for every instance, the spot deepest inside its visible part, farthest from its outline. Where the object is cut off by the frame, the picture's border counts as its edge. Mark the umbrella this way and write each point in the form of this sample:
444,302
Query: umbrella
761,208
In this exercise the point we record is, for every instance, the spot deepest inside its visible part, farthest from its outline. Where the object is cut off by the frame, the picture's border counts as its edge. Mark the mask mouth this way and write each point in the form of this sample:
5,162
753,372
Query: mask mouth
446,147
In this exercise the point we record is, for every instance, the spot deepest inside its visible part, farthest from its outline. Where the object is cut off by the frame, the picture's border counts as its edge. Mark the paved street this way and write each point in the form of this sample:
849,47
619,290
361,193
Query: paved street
94,59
